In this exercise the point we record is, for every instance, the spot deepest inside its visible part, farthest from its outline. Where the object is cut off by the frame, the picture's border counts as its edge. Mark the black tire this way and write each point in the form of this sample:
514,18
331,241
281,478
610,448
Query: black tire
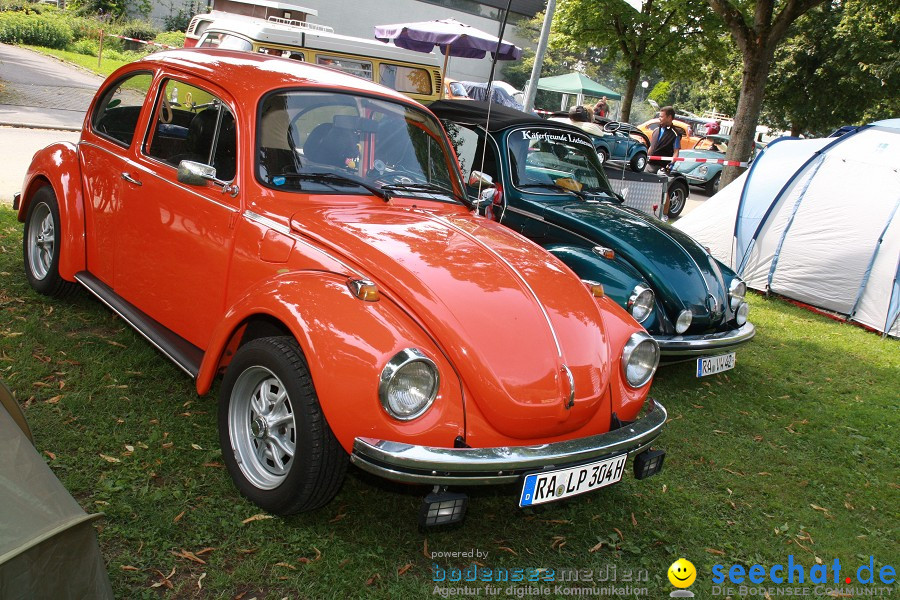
638,162
712,186
41,245
268,473
602,155
678,193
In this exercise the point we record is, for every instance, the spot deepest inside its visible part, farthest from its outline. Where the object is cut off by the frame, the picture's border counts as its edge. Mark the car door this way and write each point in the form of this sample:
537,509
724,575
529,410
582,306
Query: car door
173,240
105,151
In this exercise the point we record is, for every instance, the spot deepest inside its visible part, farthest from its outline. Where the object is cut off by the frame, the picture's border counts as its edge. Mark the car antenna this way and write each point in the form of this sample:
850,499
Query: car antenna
490,83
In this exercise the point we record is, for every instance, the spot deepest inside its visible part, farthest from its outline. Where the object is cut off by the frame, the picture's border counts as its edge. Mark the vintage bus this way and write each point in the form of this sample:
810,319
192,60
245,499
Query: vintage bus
415,74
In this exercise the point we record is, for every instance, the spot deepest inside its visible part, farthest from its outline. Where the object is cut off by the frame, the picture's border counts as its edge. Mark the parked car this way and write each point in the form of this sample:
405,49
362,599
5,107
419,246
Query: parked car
707,174
689,136
543,179
617,145
306,233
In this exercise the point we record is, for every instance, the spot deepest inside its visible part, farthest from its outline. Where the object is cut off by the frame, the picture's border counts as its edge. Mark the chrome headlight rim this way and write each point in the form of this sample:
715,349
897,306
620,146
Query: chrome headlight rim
737,291
639,291
637,338
389,373
741,314
684,320
702,169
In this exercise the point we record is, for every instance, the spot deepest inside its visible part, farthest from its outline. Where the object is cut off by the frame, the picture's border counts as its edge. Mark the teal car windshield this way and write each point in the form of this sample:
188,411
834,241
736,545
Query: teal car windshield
555,159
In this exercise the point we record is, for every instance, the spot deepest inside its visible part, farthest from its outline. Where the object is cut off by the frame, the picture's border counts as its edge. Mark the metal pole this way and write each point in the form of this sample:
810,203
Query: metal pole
539,56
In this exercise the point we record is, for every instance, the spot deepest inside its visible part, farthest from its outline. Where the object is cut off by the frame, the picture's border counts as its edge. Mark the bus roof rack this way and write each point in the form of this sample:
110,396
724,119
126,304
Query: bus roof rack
302,24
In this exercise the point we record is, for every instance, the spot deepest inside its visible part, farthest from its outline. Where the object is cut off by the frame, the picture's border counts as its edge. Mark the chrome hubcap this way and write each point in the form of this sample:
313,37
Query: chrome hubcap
41,240
262,427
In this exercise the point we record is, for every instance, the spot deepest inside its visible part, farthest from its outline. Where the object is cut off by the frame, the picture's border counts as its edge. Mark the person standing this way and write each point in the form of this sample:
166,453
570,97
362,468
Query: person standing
601,109
665,141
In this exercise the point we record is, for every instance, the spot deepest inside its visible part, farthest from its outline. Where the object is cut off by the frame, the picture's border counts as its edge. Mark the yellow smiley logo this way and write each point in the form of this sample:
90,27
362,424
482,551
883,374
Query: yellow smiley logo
682,573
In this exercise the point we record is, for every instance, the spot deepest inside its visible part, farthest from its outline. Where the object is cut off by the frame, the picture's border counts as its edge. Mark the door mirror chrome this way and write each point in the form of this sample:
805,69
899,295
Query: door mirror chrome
477,177
194,173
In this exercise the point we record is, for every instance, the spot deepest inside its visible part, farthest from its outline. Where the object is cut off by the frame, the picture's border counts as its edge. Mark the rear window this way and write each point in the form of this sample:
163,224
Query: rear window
410,80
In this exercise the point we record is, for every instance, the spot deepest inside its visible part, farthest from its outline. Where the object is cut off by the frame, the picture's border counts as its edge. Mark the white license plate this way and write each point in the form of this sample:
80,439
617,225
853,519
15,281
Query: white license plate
710,365
556,485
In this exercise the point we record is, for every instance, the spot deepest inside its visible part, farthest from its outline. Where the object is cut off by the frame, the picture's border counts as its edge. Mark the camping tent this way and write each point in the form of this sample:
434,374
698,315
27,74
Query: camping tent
48,546
816,221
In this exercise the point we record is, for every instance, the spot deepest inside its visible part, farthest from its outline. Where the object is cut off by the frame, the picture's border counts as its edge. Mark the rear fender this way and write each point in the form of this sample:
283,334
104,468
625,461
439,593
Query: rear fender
57,166
346,343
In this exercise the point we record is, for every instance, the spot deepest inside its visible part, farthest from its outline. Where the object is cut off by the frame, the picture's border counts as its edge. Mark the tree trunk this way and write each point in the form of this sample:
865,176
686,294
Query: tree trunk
743,134
630,86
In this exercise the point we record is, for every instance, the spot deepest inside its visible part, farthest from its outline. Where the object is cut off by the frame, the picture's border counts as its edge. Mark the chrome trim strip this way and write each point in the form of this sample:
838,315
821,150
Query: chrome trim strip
521,277
134,326
274,225
525,213
692,345
488,466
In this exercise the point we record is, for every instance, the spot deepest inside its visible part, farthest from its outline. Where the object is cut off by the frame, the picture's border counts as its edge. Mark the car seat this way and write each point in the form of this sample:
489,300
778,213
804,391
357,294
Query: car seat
330,145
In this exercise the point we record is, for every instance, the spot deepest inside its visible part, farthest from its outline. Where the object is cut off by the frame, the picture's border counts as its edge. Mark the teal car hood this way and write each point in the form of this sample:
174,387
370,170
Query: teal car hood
681,272
687,167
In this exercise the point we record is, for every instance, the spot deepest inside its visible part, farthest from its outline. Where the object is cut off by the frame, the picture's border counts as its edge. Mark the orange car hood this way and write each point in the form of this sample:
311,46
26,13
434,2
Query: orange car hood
510,317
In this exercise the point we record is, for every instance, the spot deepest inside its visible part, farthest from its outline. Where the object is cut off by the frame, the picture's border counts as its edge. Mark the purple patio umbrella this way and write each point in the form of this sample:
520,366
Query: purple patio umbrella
451,36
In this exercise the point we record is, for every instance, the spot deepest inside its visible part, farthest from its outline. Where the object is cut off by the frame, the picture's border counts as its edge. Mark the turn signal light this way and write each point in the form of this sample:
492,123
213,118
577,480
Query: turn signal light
607,253
595,288
364,289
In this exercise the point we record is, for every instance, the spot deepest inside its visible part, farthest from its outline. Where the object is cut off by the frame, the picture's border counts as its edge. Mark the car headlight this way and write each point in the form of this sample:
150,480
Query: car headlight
640,357
640,303
703,169
408,385
737,291
684,321
741,316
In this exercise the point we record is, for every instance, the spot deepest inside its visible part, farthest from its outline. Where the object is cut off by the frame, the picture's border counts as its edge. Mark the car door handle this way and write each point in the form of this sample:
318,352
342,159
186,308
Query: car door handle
131,179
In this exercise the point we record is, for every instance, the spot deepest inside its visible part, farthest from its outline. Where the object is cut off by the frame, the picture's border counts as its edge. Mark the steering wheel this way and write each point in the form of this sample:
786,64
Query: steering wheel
612,126
165,111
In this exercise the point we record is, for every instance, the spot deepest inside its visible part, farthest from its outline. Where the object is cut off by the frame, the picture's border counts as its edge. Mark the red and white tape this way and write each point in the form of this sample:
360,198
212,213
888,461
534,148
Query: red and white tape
717,161
122,37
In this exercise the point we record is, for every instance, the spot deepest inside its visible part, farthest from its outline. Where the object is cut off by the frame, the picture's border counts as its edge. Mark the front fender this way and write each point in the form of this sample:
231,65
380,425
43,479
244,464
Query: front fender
57,166
346,343
617,276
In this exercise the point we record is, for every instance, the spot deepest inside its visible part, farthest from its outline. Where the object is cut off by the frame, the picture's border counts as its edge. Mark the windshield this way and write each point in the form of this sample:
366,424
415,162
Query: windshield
340,143
554,158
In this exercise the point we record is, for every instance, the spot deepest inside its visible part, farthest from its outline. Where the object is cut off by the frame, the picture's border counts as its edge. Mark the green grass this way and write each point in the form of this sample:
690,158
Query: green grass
793,452
105,68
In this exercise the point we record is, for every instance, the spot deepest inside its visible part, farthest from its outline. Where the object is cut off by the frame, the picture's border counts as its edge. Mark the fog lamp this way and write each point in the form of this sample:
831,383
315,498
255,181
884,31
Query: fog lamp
442,508
648,463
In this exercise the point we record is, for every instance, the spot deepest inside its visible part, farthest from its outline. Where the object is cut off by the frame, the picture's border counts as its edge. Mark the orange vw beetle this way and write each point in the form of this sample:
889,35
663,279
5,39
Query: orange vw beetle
305,234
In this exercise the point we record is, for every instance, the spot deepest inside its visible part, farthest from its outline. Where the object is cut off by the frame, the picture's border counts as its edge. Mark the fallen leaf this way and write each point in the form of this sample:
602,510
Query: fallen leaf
212,464
372,579
720,432
507,549
764,474
178,516
597,547
848,506
714,551
633,520
50,454
129,447
665,488
196,447
129,568
819,508
200,579
111,459
425,549
621,537
54,400
343,563
558,542
188,555
204,551
283,564
258,517
404,569
116,344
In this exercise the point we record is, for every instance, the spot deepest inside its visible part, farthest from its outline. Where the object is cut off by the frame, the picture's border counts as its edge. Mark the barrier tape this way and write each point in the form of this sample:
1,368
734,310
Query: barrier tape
122,37
718,161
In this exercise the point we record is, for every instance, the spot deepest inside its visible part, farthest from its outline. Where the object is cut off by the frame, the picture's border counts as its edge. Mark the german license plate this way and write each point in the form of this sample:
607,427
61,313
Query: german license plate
710,365
550,486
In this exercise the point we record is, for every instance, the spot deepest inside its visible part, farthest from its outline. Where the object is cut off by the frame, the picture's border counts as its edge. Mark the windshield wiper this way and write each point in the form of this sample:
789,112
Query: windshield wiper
337,178
553,186
425,187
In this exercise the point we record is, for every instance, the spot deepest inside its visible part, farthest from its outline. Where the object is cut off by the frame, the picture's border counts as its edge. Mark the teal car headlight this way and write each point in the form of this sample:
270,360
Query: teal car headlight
737,290
408,384
640,357
684,321
741,317
640,303
703,169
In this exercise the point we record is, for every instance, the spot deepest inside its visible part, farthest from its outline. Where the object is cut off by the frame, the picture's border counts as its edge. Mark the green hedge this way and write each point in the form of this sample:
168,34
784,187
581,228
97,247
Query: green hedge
49,29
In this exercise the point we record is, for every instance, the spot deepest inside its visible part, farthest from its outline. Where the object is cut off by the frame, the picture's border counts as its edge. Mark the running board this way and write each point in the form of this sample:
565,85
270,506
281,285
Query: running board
180,351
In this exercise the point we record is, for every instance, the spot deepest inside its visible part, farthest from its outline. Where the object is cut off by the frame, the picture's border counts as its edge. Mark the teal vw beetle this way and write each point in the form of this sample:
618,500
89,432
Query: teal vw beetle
543,179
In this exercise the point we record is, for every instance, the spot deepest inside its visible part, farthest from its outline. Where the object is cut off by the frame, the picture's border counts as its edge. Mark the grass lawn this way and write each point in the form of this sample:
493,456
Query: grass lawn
792,453
105,68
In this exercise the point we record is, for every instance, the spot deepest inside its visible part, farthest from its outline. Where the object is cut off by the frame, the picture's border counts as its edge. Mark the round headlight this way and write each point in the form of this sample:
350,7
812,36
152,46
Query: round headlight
684,321
737,290
640,357
703,169
640,303
408,385
742,311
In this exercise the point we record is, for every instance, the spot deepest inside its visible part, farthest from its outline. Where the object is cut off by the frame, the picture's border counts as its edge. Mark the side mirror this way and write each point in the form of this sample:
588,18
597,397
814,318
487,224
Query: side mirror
194,173
477,177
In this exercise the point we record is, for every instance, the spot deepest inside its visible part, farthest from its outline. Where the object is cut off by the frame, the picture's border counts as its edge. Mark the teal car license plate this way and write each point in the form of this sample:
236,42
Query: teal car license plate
710,365
550,486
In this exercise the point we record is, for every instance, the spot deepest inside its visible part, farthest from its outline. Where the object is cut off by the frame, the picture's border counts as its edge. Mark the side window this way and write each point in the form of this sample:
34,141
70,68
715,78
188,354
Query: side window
192,124
282,52
468,144
224,41
410,80
360,68
117,112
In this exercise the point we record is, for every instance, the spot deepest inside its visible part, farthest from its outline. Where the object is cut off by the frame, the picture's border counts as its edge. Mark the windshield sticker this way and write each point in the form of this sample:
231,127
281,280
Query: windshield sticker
555,136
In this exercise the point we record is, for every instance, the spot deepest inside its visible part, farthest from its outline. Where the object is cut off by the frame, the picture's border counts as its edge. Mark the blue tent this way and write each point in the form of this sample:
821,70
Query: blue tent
816,221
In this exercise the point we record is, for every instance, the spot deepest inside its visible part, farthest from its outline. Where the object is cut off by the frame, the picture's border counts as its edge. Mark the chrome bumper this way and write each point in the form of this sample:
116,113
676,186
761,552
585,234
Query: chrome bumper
687,346
488,466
